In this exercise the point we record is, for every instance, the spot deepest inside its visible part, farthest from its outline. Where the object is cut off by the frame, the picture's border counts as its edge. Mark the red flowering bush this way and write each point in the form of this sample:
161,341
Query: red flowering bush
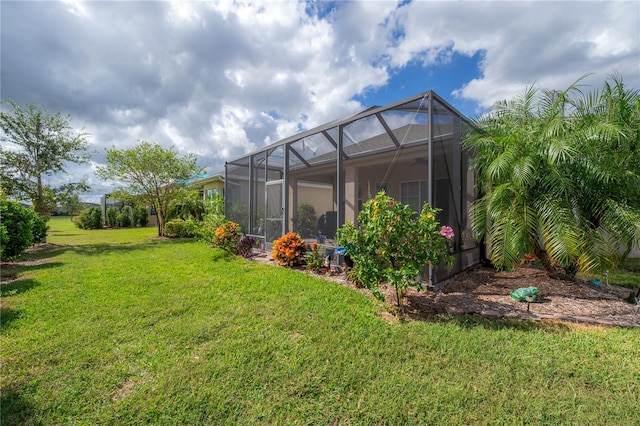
226,236
289,250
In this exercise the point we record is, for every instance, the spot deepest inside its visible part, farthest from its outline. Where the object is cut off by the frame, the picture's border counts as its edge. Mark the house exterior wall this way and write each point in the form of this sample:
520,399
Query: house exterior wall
209,187
635,252
320,196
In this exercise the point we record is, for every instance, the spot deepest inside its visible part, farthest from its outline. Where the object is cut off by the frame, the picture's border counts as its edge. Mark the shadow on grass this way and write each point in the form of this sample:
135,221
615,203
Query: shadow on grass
17,287
15,409
38,252
475,321
103,248
7,316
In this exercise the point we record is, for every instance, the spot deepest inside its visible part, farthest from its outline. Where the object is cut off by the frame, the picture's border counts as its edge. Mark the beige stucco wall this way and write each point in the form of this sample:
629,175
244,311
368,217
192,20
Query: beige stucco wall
218,186
319,196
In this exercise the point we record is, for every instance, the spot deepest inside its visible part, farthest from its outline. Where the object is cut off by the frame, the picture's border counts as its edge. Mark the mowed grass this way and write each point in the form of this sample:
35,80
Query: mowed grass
628,275
122,328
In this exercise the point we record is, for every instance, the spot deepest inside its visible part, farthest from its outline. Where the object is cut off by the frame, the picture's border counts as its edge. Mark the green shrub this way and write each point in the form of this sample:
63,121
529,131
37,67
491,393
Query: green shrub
140,217
177,228
215,205
206,230
193,227
90,218
306,221
18,223
4,239
96,218
393,245
124,217
112,217
39,227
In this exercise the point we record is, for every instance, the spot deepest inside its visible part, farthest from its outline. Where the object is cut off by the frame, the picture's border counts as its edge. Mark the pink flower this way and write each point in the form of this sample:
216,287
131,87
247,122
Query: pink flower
447,232
391,202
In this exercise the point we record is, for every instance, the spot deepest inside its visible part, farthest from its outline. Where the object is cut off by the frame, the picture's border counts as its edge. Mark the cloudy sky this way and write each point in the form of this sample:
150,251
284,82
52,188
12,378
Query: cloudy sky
221,79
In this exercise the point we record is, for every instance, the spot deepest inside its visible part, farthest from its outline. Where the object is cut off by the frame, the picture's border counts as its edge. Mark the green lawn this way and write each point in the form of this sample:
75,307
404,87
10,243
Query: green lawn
121,328
628,275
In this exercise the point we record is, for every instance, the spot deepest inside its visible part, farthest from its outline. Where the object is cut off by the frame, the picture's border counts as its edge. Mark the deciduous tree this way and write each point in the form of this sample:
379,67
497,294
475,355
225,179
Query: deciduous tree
36,143
155,175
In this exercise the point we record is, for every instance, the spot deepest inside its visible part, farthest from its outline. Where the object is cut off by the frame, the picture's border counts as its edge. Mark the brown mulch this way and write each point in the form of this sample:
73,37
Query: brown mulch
485,292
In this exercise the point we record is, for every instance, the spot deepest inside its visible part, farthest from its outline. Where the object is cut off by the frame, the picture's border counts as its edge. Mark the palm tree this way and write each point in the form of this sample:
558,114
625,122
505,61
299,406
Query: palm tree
558,171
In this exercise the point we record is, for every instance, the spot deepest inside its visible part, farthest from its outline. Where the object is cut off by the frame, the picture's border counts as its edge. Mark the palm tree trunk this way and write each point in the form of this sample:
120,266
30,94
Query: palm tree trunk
551,269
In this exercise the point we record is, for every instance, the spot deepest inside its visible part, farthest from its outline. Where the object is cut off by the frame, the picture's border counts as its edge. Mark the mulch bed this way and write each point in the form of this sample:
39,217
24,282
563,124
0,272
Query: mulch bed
485,292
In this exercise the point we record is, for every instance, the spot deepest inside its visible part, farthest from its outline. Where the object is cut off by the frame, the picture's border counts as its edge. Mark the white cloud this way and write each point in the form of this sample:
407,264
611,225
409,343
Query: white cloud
220,79
548,43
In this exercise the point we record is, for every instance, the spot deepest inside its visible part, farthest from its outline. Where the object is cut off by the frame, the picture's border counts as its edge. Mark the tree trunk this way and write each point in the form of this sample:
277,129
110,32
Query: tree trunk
39,207
39,204
552,270
160,215
160,224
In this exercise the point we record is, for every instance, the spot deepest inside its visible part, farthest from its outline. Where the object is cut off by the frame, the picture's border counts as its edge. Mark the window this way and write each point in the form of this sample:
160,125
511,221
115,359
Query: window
414,194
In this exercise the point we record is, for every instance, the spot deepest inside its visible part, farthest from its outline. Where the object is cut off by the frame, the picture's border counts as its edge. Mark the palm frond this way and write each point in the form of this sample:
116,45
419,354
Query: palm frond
506,247
558,230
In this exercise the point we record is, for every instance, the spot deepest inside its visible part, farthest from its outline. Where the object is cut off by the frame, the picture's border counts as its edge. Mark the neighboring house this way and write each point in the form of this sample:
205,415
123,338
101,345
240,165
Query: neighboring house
410,148
209,185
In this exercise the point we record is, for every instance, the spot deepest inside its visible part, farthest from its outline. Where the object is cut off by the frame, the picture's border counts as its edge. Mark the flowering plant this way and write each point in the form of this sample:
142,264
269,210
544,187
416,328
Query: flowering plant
447,232
289,249
393,245
226,236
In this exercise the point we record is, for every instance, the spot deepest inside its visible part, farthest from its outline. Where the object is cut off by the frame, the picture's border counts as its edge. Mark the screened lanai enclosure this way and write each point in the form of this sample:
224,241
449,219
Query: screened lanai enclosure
315,181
